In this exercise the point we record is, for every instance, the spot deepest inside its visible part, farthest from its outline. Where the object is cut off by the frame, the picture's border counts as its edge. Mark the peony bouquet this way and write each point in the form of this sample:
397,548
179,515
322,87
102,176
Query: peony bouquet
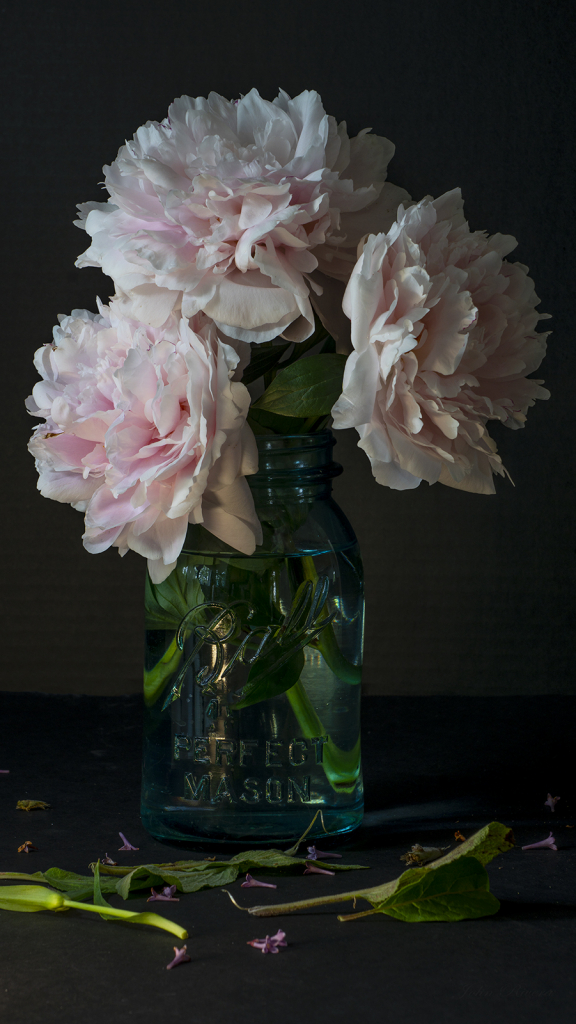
268,278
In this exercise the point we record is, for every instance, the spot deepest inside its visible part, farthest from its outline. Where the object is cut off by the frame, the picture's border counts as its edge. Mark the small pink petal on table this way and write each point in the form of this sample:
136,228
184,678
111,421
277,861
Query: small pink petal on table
314,854
549,843
312,869
4,771
127,845
551,801
167,895
254,883
181,957
271,943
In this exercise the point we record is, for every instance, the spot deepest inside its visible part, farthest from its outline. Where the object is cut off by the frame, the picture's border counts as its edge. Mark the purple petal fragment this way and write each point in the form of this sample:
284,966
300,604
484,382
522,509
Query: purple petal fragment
551,801
271,944
313,854
166,895
180,958
4,771
251,883
550,843
108,860
127,845
312,869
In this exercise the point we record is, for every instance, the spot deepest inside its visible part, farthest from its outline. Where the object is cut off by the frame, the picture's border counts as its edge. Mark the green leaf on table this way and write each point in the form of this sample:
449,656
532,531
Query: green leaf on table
309,387
466,889
78,887
99,900
194,875
453,892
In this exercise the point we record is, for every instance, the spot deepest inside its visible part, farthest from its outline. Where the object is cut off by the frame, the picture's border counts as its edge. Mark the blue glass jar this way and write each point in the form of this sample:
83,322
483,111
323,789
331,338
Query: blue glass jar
253,664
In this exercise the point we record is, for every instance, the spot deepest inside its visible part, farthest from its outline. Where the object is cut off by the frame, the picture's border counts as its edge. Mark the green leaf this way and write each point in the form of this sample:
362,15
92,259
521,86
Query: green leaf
485,844
80,887
264,422
307,388
167,603
453,892
265,357
270,676
99,900
194,875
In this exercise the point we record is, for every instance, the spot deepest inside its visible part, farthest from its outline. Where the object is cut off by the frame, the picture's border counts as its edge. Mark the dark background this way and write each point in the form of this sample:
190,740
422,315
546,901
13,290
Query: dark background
469,598
466,594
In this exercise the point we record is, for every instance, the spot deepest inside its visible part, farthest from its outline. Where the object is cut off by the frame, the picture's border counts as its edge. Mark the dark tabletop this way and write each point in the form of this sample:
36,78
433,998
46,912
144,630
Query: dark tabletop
81,754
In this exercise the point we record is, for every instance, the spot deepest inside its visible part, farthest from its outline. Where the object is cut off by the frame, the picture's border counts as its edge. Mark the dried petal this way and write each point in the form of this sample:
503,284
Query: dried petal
108,860
551,801
32,805
26,847
421,854
181,957
550,843
312,869
166,895
127,845
313,854
458,835
271,943
254,883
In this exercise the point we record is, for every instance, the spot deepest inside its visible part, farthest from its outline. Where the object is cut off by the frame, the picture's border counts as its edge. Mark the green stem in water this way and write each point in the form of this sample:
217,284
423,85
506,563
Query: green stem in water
342,767
326,642
156,678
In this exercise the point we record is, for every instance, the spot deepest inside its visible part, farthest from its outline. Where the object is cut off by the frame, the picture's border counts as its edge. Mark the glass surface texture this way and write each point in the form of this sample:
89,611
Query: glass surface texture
252,670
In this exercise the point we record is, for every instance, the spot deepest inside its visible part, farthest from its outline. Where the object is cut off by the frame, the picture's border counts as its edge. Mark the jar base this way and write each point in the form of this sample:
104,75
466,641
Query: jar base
175,824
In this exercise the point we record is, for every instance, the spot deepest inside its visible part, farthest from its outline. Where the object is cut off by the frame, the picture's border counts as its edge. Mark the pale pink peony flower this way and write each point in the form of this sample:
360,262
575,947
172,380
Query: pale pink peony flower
229,207
443,330
145,433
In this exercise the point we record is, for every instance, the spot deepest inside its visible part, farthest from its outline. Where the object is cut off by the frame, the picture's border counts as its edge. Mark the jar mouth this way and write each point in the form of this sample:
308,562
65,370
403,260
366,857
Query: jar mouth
294,461
320,439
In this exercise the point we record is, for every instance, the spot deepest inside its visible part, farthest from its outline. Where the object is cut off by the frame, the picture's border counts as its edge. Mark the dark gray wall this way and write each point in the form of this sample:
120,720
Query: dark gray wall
466,594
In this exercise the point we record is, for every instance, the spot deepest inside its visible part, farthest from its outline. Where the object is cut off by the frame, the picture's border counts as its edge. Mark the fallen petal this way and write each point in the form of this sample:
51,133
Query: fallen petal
127,845
180,958
313,854
32,805
551,801
108,860
549,843
271,943
4,771
254,883
312,869
26,847
167,895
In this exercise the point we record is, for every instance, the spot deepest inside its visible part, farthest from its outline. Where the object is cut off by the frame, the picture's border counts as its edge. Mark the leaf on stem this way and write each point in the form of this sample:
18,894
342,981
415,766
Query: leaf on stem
469,884
307,388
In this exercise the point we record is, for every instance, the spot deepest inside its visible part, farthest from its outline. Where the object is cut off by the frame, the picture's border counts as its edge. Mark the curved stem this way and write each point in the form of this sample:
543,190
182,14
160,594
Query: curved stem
342,767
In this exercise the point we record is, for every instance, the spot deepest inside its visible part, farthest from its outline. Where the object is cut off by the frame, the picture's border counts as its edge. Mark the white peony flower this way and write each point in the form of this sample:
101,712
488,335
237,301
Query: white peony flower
145,432
443,330
238,209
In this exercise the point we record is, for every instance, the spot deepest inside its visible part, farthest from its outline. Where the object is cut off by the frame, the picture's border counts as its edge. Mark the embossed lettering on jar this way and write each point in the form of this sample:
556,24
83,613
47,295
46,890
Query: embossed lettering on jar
252,673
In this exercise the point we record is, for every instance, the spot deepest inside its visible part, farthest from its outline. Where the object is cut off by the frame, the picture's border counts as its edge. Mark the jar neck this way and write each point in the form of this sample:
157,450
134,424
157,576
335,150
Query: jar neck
293,468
